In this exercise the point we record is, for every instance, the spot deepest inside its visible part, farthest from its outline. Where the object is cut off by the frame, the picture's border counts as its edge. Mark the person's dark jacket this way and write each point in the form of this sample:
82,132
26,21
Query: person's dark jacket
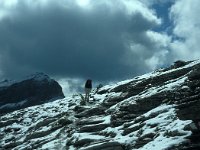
88,84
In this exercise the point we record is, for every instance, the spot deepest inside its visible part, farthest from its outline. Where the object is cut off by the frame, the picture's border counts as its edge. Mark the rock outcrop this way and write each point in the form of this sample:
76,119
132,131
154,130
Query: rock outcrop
156,111
36,89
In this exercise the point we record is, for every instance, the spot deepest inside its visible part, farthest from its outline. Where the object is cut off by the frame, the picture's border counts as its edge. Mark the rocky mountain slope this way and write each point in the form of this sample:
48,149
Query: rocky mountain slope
33,90
156,111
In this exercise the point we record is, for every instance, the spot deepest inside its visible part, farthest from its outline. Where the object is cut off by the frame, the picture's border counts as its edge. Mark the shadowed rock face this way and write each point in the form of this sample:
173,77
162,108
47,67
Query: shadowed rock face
34,90
156,111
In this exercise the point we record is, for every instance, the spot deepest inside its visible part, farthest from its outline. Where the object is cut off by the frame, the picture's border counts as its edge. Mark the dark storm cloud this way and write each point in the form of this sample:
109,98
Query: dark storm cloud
74,42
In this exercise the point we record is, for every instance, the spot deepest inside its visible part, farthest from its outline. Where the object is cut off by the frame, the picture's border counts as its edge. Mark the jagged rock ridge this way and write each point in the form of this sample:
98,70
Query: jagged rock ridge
35,89
155,111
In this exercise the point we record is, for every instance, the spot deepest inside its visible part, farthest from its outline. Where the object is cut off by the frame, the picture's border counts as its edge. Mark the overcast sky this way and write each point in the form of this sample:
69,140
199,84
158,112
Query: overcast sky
105,40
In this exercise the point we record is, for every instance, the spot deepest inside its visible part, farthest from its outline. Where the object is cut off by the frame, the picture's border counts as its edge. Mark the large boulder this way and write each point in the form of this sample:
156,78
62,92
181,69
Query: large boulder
35,89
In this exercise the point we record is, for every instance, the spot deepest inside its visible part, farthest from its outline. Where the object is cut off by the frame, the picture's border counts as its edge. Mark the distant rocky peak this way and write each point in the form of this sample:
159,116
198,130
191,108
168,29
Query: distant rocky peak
32,90
39,76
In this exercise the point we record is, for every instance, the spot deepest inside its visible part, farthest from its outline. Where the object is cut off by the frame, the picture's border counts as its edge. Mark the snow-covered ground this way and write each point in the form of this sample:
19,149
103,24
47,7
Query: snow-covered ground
40,125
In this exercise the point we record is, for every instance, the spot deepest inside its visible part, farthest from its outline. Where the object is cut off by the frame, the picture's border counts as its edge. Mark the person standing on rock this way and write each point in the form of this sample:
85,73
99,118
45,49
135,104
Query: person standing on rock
88,88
